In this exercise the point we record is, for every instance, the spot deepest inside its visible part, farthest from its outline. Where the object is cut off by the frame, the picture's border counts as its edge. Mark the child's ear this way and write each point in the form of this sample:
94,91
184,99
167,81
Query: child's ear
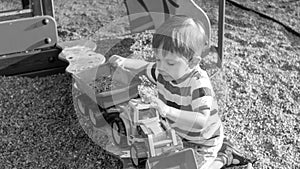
195,61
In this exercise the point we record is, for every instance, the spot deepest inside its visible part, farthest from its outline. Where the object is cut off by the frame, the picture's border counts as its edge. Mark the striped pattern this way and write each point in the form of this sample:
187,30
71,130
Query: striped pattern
191,93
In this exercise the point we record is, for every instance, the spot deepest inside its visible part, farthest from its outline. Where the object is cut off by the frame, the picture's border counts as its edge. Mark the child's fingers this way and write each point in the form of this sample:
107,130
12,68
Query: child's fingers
112,58
153,105
116,60
158,108
153,99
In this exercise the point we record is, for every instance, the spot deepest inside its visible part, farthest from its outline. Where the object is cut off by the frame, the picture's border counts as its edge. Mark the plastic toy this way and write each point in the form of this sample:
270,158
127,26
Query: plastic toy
183,160
147,134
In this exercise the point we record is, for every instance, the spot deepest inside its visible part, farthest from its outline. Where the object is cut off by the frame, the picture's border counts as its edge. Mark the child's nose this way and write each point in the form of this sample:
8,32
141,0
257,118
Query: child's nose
160,66
160,69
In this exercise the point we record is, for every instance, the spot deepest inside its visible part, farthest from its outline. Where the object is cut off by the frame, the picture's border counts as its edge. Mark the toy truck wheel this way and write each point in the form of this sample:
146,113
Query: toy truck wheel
119,132
138,153
96,117
81,107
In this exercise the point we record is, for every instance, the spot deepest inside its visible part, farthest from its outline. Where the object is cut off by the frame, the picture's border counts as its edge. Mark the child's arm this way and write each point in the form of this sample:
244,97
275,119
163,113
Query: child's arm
134,65
190,119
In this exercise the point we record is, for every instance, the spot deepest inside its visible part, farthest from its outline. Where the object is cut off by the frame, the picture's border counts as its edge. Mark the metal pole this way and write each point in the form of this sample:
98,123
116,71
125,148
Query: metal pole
221,32
48,7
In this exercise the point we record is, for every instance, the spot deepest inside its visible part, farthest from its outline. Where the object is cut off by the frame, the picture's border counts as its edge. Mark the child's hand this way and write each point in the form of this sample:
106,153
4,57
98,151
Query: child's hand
117,61
159,105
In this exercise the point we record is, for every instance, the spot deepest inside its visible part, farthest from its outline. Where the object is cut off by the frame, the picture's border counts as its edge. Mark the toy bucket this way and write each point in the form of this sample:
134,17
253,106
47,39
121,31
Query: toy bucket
184,159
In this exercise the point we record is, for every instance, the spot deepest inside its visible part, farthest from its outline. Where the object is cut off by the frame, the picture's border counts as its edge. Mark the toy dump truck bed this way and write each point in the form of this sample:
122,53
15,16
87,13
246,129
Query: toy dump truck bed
126,88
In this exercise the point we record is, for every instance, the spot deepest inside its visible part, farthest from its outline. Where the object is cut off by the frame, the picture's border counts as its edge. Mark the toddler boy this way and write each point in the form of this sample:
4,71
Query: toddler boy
185,94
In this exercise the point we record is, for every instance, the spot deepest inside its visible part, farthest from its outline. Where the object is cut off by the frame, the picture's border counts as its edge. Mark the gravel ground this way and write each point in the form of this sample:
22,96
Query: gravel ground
40,129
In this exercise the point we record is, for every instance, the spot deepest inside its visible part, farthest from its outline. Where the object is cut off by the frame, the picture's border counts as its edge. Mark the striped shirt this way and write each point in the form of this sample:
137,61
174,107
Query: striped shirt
191,93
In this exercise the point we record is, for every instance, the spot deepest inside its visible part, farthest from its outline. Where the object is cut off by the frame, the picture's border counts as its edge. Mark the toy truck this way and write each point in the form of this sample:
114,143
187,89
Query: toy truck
148,135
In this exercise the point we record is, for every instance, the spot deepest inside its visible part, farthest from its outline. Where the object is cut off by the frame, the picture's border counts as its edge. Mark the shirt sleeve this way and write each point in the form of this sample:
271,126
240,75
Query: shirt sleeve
202,95
151,72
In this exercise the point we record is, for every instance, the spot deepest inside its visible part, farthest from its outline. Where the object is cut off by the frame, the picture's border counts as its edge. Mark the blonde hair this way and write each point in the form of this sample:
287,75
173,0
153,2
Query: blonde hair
180,34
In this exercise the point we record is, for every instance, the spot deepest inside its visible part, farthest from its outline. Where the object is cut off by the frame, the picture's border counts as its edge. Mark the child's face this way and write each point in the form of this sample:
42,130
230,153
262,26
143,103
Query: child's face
172,66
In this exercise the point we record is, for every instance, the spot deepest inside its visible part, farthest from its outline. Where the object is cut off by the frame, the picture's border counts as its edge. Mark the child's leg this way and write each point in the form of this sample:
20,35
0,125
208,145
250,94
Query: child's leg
229,156
206,156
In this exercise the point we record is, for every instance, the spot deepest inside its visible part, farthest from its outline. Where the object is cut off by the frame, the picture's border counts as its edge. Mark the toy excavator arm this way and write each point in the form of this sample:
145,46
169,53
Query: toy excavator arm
145,129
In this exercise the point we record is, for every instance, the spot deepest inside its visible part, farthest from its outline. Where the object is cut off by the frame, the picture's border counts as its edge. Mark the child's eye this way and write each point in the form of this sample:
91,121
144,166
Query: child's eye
171,64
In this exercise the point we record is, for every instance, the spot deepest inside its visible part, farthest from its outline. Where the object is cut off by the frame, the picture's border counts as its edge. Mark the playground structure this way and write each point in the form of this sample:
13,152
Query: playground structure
28,45
31,49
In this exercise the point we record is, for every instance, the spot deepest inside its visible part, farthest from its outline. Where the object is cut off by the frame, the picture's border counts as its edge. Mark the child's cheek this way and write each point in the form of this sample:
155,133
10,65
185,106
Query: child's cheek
180,72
